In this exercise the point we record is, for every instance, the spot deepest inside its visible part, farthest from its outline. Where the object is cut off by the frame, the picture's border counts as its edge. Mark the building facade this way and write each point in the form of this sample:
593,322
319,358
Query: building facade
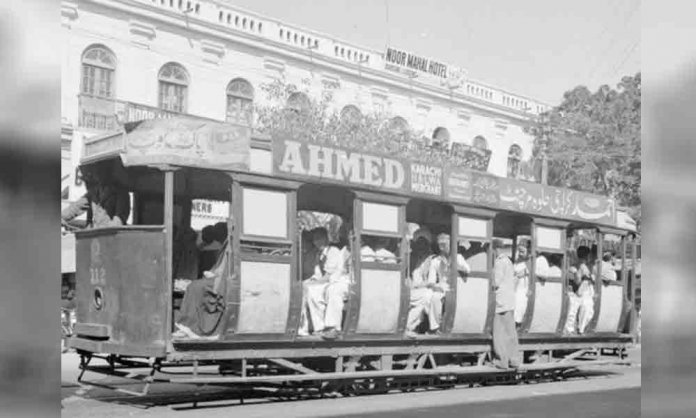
126,60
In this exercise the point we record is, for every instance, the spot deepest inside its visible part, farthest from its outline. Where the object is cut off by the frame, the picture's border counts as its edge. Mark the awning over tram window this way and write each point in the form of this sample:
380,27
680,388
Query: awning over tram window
177,141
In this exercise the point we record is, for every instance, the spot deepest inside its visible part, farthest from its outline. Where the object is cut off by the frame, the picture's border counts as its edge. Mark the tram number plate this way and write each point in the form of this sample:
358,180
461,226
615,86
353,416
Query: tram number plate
97,275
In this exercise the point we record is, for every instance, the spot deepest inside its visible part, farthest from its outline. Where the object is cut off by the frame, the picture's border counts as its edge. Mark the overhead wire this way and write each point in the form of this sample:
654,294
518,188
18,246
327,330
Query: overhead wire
602,61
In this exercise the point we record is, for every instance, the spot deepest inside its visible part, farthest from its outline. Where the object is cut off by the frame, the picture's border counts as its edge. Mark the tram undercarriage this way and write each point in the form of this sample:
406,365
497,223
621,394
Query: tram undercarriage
299,374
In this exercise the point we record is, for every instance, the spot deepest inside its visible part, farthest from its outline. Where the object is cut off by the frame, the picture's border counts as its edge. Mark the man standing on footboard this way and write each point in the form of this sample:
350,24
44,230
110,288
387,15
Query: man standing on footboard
505,345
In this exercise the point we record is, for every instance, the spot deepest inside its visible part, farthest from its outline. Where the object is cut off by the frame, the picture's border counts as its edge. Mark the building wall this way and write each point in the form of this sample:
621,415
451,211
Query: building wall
144,35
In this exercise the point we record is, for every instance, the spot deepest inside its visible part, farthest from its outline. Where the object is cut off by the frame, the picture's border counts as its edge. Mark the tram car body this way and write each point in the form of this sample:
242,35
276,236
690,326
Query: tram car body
127,303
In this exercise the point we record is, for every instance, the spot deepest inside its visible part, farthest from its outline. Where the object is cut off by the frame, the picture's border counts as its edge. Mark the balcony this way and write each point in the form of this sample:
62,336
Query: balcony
102,114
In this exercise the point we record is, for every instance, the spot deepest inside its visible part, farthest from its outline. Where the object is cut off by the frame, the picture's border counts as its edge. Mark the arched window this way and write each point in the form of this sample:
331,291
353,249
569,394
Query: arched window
173,86
351,115
240,100
514,160
480,142
441,136
98,67
398,124
298,102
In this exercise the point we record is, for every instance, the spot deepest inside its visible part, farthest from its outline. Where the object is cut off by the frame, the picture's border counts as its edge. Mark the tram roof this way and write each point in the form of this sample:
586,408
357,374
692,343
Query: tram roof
189,142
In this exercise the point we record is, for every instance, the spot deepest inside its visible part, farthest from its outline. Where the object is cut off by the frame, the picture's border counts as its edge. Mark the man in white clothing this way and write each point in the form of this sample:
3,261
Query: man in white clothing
438,277
326,308
521,272
421,291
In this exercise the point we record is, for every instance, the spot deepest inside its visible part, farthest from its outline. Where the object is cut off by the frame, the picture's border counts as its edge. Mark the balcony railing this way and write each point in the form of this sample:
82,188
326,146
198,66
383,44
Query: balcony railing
107,114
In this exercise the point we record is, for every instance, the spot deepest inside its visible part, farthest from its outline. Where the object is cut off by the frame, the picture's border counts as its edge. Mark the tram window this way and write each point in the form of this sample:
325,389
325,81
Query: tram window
380,217
265,213
549,265
379,249
475,253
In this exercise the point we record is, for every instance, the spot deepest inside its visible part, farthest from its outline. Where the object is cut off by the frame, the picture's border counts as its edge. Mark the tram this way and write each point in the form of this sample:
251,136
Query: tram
127,302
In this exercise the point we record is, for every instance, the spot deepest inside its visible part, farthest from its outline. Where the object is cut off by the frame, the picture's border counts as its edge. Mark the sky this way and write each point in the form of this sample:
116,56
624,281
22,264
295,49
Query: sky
537,48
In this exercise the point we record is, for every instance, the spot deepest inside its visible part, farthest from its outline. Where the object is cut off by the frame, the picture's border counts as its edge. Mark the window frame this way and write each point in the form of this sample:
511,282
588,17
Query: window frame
166,82
240,96
99,68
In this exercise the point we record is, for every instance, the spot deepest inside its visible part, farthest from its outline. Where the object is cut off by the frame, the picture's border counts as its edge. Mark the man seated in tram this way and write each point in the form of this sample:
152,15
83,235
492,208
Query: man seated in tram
203,305
106,202
211,241
329,287
438,276
421,289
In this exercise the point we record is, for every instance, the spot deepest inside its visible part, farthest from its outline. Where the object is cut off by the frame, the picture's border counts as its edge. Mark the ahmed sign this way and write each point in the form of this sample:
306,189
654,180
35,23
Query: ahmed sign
397,60
339,165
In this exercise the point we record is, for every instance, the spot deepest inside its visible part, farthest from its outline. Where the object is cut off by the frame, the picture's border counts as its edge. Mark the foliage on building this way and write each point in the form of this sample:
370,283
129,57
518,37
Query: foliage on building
292,113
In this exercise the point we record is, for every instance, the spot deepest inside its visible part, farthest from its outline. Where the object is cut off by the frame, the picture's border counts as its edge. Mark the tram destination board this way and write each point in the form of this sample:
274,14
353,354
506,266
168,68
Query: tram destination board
309,161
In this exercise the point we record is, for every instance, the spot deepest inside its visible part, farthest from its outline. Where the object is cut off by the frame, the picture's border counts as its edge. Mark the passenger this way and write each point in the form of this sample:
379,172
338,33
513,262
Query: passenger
586,292
204,304
326,308
505,345
209,248
608,273
521,271
382,254
106,203
220,232
438,276
313,289
421,292
337,271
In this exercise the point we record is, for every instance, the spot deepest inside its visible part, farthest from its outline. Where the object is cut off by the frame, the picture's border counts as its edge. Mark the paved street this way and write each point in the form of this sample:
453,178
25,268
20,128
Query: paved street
610,391
620,403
